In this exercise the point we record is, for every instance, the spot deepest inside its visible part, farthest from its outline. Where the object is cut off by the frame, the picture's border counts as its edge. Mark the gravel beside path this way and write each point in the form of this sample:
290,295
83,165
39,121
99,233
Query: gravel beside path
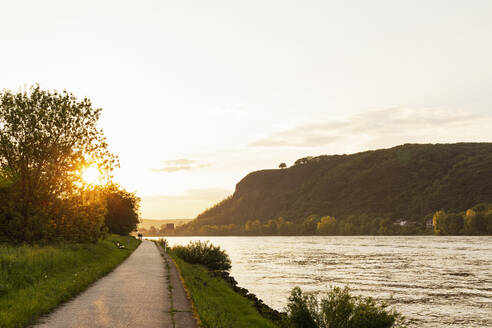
135,294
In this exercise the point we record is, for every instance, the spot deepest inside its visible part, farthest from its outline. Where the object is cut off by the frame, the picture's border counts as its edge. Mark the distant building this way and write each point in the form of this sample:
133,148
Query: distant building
170,227
401,222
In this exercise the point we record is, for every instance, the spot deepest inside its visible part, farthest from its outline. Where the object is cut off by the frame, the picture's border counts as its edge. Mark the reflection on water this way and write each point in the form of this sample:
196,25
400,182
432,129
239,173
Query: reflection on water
437,281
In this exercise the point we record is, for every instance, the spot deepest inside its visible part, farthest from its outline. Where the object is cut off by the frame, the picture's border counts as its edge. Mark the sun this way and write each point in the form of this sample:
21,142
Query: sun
92,175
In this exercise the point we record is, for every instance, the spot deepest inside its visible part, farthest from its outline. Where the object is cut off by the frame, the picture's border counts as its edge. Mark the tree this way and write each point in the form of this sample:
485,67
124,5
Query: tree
447,223
310,224
288,228
79,217
303,160
488,217
46,140
252,227
475,223
327,226
438,222
282,166
122,214
270,228
153,231
386,227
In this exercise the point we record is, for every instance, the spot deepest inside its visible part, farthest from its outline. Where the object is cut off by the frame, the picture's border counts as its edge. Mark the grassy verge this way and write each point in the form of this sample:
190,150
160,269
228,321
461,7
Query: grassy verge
216,303
35,279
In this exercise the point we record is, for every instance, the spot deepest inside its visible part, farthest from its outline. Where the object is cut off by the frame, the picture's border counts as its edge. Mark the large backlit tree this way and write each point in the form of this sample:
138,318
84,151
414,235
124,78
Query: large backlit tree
47,139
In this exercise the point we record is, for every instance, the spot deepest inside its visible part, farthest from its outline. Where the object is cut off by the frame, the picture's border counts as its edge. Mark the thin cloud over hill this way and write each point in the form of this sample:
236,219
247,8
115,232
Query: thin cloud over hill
180,165
399,123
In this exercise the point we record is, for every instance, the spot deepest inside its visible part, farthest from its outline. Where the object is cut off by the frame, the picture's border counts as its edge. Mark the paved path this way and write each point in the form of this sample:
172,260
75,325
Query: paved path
135,294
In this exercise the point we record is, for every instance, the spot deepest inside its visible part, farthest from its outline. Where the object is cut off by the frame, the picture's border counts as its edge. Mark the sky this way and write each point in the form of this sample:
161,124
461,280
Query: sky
197,94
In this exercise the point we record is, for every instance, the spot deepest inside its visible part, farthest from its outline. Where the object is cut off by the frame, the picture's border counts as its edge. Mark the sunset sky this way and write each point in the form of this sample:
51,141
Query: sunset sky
197,94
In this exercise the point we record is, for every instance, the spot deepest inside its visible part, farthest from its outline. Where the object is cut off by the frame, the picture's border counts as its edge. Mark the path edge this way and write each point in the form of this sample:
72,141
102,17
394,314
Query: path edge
188,295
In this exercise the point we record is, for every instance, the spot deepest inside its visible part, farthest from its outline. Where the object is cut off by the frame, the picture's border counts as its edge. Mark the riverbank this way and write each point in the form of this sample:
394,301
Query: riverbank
217,304
408,273
34,280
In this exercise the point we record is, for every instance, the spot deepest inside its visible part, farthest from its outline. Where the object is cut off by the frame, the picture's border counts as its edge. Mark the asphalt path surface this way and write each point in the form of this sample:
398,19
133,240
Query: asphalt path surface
135,294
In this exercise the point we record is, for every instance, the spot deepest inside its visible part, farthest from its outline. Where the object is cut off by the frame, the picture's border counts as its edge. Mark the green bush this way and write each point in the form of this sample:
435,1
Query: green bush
339,309
163,242
302,309
198,252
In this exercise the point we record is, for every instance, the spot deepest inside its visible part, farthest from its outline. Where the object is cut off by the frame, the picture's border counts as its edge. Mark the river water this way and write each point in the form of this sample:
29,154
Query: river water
435,281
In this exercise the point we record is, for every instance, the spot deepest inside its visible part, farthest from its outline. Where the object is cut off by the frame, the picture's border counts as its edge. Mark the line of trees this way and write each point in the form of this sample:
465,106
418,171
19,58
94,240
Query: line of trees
475,221
47,140
312,225
155,232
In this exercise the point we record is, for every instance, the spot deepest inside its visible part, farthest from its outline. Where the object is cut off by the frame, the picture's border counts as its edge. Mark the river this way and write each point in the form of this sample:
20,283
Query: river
435,281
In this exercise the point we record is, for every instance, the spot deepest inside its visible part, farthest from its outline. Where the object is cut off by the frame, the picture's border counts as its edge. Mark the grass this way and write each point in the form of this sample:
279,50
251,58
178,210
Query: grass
216,303
34,280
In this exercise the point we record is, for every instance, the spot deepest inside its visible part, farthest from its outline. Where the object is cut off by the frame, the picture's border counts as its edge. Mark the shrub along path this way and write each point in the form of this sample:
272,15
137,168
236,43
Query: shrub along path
135,294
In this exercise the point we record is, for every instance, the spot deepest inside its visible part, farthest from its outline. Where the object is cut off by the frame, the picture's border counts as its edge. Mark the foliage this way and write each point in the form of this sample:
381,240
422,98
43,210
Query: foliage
79,217
475,221
282,166
447,223
34,279
122,214
302,309
216,303
164,243
198,252
339,309
327,226
304,160
408,182
46,140
312,225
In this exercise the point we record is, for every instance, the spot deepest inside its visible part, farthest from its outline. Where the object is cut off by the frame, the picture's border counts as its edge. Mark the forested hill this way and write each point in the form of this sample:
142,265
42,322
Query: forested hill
411,181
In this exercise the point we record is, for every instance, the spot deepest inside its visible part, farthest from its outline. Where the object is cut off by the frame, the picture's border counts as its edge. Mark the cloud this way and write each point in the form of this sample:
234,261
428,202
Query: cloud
397,124
181,161
187,205
195,195
179,165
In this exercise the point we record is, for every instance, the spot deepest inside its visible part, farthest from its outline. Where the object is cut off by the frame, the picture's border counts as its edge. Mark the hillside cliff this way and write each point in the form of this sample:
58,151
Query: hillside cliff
410,181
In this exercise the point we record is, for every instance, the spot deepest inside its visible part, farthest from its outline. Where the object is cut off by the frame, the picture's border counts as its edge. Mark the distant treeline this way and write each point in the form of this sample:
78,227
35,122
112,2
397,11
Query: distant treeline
155,232
387,191
312,225
475,221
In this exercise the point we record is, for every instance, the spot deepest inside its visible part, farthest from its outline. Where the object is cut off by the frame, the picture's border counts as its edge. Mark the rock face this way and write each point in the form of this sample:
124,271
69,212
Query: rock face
408,181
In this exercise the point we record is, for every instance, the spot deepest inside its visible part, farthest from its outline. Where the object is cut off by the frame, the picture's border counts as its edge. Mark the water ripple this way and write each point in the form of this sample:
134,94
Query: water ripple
435,281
